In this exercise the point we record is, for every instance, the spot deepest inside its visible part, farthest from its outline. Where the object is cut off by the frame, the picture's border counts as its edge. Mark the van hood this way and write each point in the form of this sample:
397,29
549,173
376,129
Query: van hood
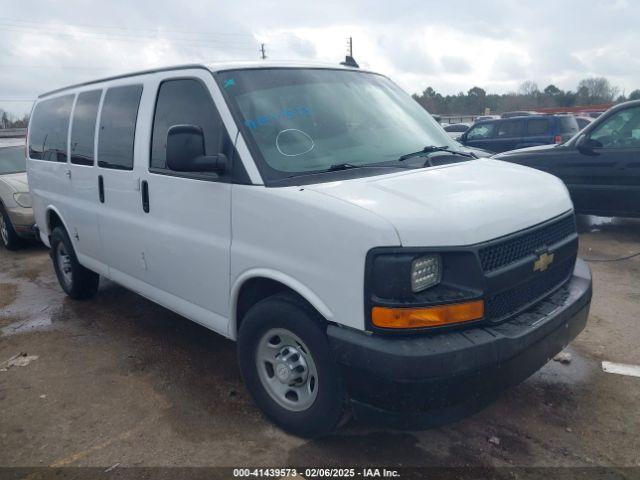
458,204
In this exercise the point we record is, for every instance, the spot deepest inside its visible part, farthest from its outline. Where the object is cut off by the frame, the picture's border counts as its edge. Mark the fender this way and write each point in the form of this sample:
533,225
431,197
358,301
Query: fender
277,276
44,235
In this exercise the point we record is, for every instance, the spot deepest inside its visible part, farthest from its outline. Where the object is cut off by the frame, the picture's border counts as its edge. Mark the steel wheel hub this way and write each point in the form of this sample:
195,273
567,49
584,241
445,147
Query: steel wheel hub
287,370
64,264
291,367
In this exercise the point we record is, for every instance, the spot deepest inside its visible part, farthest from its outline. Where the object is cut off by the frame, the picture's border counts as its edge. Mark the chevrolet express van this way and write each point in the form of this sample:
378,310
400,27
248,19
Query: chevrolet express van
320,217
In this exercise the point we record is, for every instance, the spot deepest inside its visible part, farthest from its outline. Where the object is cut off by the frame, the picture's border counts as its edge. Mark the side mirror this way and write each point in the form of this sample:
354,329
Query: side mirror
186,153
587,145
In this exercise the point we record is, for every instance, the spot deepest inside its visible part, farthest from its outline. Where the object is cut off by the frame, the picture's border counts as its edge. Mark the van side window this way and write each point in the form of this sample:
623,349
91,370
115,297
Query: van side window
118,127
537,126
184,102
83,128
48,129
510,129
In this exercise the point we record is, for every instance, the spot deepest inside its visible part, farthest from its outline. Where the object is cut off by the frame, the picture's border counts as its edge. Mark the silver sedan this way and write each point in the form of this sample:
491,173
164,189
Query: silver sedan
16,214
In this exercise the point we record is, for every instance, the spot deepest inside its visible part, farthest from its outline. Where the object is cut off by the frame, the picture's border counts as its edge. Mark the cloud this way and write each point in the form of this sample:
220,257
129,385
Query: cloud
509,66
406,54
495,44
457,65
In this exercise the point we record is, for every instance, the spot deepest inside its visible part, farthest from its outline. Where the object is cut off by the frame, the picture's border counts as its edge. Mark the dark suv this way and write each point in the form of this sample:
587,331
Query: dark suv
505,134
601,166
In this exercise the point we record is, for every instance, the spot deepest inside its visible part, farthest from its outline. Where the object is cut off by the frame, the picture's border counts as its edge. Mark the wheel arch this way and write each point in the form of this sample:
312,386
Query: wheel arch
53,219
255,285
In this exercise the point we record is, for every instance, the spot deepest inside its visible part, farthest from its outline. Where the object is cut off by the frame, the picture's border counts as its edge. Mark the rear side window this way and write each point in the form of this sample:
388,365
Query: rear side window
510,129
479,132
48,129
83,128
184,102
537,126
118,127
568,124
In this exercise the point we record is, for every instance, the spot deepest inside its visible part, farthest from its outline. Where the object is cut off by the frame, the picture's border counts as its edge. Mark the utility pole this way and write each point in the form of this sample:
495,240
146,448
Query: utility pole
262,52
350,47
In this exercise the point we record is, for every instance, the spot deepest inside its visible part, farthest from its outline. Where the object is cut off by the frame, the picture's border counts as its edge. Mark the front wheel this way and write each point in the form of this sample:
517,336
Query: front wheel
77,281
287,366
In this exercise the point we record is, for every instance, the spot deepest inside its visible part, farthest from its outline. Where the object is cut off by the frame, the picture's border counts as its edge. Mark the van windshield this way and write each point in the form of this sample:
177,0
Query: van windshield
298,121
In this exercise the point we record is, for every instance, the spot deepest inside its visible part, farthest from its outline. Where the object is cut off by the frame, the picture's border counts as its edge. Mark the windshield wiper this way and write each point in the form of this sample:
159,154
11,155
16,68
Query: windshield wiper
336,167
340,166
432,149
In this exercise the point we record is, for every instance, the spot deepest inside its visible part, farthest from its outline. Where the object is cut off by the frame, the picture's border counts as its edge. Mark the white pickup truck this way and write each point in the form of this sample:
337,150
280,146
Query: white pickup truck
319,216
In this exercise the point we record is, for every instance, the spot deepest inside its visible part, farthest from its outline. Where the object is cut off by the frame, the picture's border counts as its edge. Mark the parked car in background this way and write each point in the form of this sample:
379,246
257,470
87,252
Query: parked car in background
482,118
16,214
518,113
299,211
455,130
509,134
583,121
600,166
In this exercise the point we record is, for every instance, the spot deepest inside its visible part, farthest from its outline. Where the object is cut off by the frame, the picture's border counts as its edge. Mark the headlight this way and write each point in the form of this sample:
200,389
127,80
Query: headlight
412,288
23,199
425,272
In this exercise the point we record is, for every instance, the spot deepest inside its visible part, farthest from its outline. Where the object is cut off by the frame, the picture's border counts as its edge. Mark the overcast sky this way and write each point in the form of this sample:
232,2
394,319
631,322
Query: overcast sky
450,45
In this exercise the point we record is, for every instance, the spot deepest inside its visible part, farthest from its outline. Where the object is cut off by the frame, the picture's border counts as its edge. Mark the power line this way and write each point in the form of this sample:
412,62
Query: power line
61,67
129,38
137,29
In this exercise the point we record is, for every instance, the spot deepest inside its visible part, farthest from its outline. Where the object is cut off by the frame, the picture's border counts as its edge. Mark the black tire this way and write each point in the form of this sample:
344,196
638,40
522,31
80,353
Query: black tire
8,235
287,312
78,282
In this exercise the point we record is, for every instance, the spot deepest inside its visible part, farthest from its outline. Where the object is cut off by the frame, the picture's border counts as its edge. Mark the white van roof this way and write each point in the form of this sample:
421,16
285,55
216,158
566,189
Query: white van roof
213,67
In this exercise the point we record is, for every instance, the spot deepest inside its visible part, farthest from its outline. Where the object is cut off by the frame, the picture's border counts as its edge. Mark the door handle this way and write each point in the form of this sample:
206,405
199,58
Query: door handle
144,189
101,188
68,173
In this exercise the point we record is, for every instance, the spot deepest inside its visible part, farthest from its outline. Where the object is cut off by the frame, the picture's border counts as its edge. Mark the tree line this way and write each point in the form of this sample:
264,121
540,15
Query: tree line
590,91
10,121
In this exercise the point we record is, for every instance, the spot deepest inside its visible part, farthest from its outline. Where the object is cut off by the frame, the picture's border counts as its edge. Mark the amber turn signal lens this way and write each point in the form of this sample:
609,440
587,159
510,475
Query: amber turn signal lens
427,316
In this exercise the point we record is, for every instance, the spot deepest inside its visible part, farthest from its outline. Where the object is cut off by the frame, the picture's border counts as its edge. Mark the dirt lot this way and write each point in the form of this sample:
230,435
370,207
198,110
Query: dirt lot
119,380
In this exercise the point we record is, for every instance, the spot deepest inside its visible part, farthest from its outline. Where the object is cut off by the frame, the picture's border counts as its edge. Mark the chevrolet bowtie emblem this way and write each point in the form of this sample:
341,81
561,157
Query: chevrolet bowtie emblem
543,262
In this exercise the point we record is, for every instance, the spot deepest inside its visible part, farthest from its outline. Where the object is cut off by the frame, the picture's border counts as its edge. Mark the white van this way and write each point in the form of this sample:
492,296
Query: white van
321,218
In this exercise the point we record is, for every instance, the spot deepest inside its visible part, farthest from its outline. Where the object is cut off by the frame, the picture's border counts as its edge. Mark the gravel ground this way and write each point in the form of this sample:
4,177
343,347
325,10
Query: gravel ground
119,380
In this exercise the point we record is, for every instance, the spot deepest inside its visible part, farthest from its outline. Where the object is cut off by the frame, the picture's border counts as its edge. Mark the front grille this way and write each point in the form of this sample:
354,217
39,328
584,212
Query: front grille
508,302
508,251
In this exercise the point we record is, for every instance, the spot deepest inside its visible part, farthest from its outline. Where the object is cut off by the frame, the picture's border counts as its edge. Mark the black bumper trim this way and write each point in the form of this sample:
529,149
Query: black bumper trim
462,369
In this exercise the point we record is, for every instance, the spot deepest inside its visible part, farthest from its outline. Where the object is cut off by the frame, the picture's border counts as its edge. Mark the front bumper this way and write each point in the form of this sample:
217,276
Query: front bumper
427,380
23,221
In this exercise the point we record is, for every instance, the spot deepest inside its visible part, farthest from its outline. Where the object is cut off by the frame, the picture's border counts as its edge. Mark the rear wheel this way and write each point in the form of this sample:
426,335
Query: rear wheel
8,235
77,281
287,366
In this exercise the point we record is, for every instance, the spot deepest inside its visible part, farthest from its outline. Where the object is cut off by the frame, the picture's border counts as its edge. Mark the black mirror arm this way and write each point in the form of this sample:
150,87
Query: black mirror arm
211,163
